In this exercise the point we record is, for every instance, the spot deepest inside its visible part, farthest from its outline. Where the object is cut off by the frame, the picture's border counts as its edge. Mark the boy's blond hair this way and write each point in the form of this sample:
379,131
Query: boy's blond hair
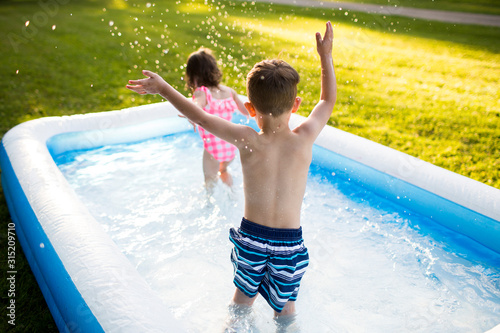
272,86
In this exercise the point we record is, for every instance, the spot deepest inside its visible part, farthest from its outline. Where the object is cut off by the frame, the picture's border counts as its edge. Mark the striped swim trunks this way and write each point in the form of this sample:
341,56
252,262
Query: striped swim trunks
268,261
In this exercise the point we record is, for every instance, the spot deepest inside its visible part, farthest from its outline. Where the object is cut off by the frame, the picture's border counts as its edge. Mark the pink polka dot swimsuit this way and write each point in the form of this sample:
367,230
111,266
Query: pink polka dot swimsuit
221,150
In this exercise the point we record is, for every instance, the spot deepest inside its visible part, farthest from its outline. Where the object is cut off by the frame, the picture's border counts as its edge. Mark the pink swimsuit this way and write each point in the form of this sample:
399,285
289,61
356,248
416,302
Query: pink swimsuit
221,150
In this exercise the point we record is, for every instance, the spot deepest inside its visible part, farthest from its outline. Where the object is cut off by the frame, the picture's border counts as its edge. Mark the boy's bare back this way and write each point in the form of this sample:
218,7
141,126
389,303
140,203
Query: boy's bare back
275,163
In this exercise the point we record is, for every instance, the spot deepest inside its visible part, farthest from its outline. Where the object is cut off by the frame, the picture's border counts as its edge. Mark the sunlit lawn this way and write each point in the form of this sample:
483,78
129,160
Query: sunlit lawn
472,6
428,89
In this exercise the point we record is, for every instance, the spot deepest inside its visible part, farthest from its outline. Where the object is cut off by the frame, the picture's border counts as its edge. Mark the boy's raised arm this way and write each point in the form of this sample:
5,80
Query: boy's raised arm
322,111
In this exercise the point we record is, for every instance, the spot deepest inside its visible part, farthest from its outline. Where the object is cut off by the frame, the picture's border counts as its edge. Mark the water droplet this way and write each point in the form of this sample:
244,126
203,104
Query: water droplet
111,23
27,23
54,27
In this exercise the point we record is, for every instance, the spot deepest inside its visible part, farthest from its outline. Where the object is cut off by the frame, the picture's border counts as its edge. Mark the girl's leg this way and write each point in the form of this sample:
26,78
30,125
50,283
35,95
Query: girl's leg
210,169
224,175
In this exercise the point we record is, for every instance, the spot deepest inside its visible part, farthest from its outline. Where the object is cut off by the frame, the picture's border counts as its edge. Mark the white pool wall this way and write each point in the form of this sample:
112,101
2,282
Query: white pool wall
115,296
457,202
462,190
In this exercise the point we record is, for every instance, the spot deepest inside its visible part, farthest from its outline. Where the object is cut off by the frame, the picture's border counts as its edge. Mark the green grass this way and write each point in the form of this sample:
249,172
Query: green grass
472,6
426,88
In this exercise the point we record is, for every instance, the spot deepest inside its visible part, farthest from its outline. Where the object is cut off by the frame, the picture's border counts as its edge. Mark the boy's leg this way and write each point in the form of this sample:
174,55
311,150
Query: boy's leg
288,309
241,317
224,175
241,299
210,169
286,320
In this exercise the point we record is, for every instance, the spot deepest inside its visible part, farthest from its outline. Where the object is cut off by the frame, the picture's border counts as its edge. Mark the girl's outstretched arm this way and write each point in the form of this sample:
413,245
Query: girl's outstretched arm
241,106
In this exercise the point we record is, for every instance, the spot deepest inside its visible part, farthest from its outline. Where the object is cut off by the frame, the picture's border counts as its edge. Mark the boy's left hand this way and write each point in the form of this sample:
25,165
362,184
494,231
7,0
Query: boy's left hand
151,85
324,45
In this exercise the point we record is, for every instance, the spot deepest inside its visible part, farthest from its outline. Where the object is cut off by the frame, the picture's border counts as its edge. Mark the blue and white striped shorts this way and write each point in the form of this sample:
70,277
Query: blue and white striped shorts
268,261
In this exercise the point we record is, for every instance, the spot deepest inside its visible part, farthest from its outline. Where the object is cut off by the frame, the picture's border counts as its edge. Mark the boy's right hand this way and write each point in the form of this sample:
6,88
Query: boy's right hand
324,45
151,85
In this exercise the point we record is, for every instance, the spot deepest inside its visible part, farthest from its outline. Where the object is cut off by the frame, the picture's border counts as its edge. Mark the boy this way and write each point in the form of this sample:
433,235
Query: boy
269,254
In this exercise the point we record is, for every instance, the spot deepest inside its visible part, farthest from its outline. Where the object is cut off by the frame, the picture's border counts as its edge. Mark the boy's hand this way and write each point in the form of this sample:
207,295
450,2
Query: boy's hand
324,45
151,85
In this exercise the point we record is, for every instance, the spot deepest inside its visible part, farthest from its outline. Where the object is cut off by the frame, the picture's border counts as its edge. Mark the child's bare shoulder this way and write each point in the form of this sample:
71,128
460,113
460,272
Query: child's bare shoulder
224,88
200,98
199,94
221,92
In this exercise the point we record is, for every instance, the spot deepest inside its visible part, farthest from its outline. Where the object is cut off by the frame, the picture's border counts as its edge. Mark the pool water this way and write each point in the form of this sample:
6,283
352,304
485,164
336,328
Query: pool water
374,266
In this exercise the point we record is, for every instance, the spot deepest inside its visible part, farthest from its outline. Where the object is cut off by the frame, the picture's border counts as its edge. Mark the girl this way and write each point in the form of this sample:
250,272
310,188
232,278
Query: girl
203,79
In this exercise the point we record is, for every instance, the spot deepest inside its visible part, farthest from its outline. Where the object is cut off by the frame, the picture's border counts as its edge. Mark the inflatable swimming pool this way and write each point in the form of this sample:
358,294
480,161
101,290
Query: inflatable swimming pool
90,286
